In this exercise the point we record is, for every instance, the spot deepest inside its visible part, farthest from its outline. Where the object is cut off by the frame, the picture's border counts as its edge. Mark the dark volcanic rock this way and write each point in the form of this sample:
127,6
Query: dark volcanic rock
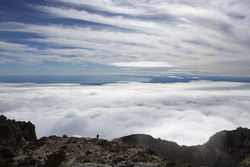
20,147
226,148
55,159
10,129
14,137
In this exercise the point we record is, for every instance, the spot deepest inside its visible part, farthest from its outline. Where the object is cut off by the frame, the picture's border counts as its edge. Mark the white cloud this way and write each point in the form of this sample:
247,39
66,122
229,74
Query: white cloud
107,5
107,47
142,64
193,35
4,60
15,47
114,21
188,113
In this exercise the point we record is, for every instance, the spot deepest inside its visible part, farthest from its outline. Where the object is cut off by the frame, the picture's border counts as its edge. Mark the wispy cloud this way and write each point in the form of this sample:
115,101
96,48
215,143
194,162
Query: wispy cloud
15,47
188,113
116,7
192,35
142,64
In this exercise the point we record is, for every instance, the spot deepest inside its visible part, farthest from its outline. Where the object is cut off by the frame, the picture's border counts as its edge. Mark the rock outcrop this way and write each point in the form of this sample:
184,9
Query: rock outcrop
14,136
19,147
225,148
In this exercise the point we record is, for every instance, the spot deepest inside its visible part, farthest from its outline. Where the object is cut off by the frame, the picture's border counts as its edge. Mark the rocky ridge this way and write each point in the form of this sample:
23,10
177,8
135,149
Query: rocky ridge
20,147
224,149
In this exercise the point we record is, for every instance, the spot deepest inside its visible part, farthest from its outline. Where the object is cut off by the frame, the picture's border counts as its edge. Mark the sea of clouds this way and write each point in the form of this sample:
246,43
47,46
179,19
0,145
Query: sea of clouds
187,113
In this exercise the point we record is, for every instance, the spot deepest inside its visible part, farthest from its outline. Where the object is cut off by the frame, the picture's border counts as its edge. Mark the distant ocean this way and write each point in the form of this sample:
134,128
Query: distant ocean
104,79
77,79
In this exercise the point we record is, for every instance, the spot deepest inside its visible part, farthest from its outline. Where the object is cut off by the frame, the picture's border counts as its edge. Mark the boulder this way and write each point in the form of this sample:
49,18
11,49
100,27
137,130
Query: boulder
14,137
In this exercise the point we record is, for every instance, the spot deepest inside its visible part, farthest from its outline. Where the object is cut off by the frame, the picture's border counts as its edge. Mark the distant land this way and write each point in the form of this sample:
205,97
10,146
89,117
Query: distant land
104,79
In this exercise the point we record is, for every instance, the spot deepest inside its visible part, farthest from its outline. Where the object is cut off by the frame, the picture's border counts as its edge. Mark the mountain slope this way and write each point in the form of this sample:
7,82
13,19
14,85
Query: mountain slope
19,147
225,148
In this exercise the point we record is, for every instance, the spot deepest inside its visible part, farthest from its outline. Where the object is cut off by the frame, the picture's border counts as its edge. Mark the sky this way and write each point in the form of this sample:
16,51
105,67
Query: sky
187,113
175,69
132,37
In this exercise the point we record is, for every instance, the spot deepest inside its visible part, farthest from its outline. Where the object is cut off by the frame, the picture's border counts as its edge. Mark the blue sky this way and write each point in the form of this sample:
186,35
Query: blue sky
134,37
152,41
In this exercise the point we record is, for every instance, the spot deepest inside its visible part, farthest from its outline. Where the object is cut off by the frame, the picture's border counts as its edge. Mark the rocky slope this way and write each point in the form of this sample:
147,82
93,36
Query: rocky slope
20,147
224,149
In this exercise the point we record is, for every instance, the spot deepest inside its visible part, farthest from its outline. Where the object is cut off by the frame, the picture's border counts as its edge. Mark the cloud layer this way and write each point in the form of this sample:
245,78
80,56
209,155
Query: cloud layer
188,113
142,64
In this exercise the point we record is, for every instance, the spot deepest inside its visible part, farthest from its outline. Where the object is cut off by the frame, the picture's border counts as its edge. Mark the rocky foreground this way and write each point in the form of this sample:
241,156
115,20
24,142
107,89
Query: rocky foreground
20,147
